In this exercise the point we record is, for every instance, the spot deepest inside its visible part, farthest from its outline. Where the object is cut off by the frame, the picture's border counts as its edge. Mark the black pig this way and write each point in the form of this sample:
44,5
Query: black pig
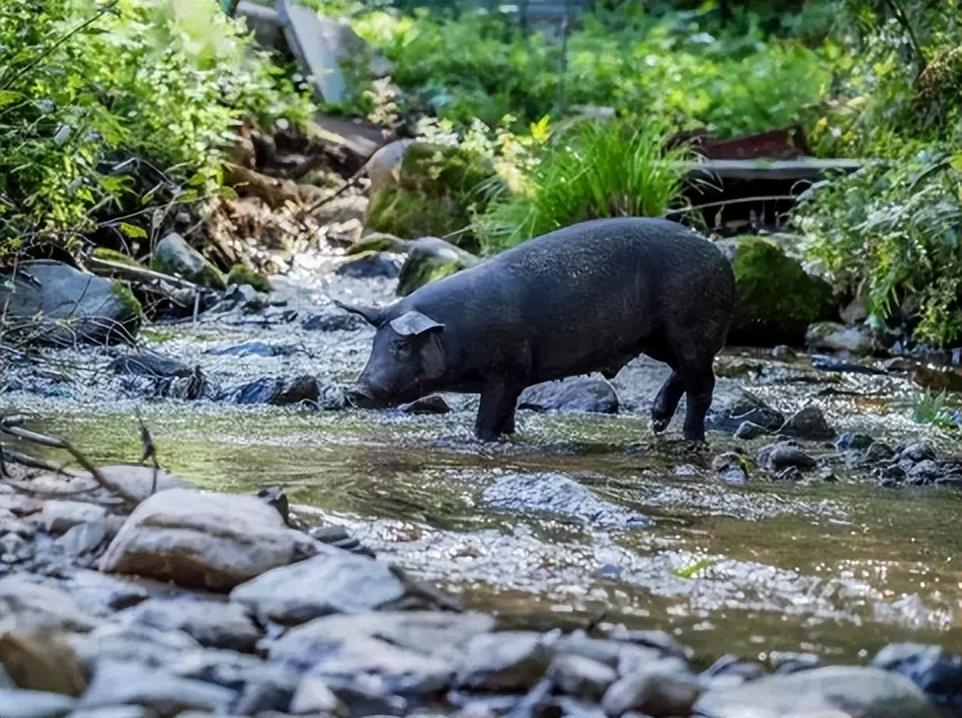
589,297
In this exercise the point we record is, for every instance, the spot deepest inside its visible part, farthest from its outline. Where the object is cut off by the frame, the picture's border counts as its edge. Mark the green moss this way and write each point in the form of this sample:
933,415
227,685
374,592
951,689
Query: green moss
112,255
430,260
379,242
439,190
242,274
134,309
777,299
411,214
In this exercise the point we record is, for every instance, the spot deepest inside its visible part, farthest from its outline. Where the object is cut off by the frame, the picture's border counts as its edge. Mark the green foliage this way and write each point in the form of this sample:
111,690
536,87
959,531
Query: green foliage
931,407
606,169
895,232
86,84
479,66
112,255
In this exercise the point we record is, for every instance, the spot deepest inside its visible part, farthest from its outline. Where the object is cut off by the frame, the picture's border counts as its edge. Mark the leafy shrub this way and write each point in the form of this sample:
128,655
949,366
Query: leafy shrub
895,234
480,66
608,169
84,85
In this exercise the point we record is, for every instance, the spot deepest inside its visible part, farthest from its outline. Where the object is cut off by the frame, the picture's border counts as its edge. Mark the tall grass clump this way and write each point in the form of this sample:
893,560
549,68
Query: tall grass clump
594,170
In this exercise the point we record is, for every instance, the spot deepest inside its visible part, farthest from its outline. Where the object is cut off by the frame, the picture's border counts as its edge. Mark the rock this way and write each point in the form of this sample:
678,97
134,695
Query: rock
730,412
60,516
580,394
34,704
778,300
433,404
785,454
505,661
430,259
749,430
561,496
420,633
20,505
662,688
924,472
138,481
368,266
262,685
731,468
333,581
102,594
341,322
581,677
255,349
213,541
842,691
662,642
242,274
149,365
211,623
931,668
166,695
853,442
116,712
173,255
313,697
916,452
323,47
438,188
783,352
33,606
142,646
279,391
84,538
59,305
730,671
832,336
41,661
808,423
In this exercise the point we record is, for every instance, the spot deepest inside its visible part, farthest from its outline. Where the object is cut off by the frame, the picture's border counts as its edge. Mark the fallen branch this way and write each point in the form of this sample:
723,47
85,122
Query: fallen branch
176,290
11,427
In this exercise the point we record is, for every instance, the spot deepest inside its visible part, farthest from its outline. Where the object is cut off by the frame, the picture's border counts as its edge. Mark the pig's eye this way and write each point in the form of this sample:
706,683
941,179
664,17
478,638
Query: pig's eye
402,346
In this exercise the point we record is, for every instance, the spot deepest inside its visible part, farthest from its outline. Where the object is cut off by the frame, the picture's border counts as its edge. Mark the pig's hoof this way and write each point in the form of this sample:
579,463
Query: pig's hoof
659,424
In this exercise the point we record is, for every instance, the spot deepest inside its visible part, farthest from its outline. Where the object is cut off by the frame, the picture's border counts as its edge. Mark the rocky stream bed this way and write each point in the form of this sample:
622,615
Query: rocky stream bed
806,563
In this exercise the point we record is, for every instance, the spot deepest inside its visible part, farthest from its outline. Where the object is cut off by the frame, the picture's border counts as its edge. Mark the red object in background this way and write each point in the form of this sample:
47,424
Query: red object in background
785,144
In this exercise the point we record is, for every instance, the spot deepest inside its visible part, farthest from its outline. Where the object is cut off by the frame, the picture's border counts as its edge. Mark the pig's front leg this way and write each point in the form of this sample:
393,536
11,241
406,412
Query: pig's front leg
496,413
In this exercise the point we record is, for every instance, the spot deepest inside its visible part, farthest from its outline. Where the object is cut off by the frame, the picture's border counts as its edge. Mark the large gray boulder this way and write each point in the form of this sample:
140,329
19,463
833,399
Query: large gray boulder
213,541
430,259
334,581
838,691
27,605
48,302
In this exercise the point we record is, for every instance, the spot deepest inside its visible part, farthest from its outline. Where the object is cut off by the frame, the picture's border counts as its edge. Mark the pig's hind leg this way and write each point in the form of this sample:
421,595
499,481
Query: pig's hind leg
496,412
666,402
697,376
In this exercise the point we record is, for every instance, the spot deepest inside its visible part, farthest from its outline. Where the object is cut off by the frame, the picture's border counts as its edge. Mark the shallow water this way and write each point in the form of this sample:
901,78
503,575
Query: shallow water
836,568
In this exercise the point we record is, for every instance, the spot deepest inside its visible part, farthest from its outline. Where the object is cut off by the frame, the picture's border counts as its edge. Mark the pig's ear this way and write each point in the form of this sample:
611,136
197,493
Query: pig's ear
412,324
373,315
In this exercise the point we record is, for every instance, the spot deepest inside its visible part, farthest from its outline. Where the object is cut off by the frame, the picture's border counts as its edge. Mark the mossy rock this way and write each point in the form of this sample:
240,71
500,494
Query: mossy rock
174,256
777,298
135,311
242,274
429,260
438,190
112,255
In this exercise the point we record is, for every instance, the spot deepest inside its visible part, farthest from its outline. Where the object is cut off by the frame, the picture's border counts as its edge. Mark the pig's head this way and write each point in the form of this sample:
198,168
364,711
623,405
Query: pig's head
407,360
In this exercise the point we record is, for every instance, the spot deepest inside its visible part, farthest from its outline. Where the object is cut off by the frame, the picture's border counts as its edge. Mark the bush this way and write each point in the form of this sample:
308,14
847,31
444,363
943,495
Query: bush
86,85
611,169
668,65
894,233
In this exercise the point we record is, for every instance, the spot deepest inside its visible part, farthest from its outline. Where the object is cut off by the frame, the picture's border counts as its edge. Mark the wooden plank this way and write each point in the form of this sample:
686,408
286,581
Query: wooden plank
799,169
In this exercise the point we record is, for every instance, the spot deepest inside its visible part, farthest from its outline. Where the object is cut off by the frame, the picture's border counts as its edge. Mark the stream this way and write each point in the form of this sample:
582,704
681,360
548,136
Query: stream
835,564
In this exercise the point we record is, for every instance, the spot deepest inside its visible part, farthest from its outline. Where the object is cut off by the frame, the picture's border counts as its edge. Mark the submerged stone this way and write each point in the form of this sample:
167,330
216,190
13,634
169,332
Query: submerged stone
559,495
582,394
